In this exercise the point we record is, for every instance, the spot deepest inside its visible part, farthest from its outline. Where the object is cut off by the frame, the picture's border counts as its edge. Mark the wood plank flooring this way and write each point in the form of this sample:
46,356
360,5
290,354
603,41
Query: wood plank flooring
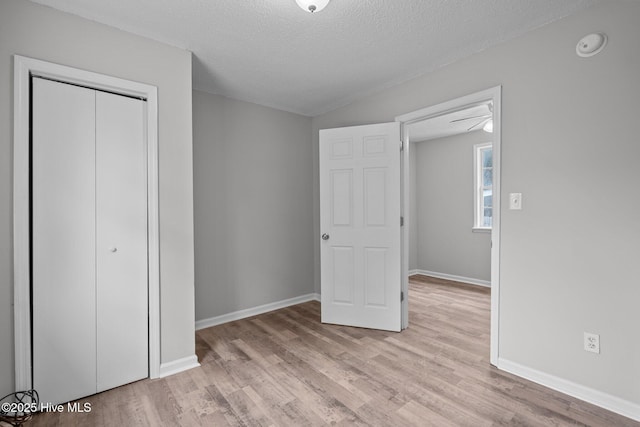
285,368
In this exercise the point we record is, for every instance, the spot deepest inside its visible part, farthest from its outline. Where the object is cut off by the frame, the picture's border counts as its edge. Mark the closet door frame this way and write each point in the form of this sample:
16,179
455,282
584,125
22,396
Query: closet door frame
24,68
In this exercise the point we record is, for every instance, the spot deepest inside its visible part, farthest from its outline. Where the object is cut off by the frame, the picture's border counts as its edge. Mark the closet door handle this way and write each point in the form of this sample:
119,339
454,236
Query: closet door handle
113,249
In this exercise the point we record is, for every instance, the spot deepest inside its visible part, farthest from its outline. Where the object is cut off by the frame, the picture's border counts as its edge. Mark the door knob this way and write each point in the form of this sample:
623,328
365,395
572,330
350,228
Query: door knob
325,236
113,249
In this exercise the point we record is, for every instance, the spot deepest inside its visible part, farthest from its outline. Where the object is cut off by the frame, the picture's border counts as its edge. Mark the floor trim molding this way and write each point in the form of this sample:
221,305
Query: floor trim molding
254,311
470,280
596,397
179,365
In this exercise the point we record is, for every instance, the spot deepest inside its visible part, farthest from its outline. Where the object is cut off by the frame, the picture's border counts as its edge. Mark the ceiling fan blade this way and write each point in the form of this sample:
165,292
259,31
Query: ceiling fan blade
472,117
480,123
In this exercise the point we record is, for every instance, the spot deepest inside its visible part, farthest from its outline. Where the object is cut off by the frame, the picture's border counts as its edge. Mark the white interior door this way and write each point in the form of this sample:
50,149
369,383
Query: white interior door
360,226
63,241
121,241
89,228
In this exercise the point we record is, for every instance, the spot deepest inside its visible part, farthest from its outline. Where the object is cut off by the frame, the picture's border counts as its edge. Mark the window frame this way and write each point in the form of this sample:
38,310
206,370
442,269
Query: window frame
478,188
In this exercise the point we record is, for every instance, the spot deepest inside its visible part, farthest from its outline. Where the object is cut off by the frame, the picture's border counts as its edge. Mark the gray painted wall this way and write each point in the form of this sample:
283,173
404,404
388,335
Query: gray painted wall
569,259
43,33
253,188
444,207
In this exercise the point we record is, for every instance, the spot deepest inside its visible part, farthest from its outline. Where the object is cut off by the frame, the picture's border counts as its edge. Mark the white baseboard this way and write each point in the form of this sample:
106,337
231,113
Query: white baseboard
469,280
604,400
254,311
179,365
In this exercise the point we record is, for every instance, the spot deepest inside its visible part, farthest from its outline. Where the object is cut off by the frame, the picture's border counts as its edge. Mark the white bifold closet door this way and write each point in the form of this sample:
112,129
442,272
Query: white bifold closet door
89,241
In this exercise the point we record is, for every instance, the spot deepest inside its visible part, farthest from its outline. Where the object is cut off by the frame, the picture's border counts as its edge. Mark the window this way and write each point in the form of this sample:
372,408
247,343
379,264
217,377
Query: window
483,186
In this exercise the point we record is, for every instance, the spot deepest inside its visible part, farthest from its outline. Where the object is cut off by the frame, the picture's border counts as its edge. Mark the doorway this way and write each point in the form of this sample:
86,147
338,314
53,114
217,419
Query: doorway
459,109
88,240
24,70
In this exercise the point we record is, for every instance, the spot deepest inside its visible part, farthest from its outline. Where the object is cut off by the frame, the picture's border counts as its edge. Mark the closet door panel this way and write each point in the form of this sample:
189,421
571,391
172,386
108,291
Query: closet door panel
63,241
121,249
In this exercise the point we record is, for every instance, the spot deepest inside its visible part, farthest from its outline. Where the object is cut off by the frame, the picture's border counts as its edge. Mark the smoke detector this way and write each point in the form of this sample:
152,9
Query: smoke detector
591,44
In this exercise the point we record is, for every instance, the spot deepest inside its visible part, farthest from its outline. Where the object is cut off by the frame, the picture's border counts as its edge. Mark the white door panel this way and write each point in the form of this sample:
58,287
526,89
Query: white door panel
89,241
121,241
63,241
360,215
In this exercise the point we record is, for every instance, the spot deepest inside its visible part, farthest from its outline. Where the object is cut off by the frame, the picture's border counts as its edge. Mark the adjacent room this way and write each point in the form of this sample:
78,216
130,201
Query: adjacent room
450,190
319,212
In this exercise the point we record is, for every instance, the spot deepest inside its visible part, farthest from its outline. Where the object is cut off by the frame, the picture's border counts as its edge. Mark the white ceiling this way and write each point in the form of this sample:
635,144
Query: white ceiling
272,53
450,123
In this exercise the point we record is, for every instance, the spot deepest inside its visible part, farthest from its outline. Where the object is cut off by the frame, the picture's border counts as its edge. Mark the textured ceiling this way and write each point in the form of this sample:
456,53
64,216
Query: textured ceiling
272,53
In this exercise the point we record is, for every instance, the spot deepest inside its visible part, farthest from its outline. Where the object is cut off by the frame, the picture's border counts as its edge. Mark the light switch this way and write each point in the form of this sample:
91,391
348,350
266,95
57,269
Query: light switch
515,201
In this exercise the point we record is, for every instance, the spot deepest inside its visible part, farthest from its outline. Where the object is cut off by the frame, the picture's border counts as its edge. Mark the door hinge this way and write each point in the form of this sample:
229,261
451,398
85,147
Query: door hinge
401,296
401,145
401,221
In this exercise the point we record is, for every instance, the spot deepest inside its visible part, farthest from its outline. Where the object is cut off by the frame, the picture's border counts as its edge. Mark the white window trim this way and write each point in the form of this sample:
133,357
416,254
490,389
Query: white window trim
481,229
477,188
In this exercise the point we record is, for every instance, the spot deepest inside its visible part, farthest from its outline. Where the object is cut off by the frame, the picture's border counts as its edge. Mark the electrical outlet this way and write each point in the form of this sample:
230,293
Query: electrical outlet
592,342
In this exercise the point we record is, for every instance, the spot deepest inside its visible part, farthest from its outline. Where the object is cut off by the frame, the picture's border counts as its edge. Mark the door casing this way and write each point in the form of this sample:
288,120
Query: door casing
493,94
24,68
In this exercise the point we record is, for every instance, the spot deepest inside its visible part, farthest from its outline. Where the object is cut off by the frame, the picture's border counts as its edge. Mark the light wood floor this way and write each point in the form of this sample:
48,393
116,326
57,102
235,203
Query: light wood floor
285,368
